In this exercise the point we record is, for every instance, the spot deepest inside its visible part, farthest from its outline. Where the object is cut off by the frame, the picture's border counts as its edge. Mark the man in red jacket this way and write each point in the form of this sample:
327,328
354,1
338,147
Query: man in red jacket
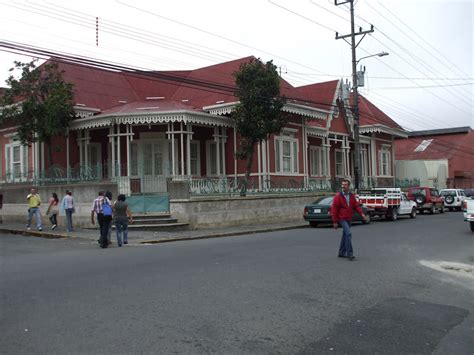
342,209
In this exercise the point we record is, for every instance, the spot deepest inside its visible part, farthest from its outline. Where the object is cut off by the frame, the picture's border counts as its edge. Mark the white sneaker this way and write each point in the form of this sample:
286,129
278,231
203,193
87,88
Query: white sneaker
40,229
28,228
54,226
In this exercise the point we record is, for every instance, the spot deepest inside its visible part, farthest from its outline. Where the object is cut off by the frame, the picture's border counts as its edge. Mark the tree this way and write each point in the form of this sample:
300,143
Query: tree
40,102
258,113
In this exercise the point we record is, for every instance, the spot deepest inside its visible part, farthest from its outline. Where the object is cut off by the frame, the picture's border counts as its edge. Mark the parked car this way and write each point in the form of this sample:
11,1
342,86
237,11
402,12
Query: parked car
320,212
426,198
453,198
468,208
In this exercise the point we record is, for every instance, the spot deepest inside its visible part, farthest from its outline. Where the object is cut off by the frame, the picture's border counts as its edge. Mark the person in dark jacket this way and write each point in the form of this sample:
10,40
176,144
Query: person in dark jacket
342,209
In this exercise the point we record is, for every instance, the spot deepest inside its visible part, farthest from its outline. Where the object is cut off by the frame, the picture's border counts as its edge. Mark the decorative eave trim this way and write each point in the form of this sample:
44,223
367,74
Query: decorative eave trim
380,128
316,131
306,111
90,122
152,118
302,110
84,112
221,109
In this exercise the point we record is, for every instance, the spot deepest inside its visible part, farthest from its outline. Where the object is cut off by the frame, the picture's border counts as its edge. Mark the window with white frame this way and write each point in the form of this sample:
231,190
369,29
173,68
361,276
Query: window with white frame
16,161
364,162
339,155
194,155
385,161
211,159
286,155
317,161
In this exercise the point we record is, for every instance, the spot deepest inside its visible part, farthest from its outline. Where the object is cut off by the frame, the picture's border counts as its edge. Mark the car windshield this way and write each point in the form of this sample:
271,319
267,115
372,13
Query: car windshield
448,193
323,201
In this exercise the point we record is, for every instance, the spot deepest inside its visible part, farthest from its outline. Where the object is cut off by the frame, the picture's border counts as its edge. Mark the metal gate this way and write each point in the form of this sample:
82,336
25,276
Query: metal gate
146,194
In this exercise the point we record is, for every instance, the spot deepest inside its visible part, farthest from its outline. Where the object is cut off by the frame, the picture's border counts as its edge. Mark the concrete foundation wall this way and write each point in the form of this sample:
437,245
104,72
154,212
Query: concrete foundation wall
231,211
15,206
198,212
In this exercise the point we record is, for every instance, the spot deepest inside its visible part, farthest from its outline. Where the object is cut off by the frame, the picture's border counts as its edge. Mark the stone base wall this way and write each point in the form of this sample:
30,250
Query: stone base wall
232,211
199,212
15,206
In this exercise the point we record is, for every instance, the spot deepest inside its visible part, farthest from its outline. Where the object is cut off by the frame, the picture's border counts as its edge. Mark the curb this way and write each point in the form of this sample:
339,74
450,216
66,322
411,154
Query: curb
220,235
42,234
33,233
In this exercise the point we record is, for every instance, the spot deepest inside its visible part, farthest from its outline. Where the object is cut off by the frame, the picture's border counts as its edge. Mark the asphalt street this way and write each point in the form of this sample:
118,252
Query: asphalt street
280,292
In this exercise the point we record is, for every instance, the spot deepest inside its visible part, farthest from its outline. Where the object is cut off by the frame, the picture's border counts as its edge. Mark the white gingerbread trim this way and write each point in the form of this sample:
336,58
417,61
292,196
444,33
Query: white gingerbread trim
380,128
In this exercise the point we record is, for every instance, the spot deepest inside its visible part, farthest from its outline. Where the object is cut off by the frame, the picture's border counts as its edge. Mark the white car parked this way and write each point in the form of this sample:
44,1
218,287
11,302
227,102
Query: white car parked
407,207
453,198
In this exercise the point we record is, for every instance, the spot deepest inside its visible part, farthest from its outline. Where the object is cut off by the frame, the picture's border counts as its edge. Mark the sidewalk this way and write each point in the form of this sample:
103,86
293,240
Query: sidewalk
150,237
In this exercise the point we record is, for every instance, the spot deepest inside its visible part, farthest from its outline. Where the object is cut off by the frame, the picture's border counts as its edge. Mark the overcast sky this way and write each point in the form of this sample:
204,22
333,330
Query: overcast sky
425,82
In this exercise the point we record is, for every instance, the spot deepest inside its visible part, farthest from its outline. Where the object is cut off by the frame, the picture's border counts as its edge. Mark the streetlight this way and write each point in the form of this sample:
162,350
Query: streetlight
356,111
381,54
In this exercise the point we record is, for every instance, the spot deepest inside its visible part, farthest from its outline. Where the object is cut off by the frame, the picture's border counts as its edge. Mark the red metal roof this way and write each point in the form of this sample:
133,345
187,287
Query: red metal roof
441,147
321,95
369,114
151,105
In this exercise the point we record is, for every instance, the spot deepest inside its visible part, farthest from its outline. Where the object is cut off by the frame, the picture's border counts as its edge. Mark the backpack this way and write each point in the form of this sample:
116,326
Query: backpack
106,208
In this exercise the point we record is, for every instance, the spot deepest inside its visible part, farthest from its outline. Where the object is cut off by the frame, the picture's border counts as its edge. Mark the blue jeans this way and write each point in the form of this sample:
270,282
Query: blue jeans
122,231
34,211
345,248
69,212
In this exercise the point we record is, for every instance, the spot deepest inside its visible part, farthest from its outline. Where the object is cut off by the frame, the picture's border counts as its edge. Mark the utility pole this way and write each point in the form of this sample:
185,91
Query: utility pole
355,103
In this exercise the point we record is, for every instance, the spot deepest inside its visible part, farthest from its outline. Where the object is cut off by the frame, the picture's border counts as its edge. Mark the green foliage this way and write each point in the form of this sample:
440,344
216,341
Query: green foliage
258,113
39,102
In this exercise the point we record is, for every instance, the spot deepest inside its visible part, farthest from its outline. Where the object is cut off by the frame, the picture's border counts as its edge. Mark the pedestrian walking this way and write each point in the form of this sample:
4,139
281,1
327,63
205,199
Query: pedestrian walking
103,209
108,194
34,201
68,208
122,217
342,209
53,210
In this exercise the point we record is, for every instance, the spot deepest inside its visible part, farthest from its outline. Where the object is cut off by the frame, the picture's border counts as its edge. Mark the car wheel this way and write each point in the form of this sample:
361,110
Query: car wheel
432,209
449,199
413,213
394,214
420,199
472,226
313,224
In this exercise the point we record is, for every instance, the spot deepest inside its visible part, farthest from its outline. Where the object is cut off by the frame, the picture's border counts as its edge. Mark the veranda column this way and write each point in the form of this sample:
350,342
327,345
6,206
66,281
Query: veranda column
189,132
171,136
86,147
181,135
259,165
79,143
264,164
327,147
218,156
393,159
128,138
112,150
235,157
223,141
373,158
119,155
346,148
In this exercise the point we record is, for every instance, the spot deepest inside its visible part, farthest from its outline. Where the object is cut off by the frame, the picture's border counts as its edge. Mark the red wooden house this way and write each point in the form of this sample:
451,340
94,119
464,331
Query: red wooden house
142,129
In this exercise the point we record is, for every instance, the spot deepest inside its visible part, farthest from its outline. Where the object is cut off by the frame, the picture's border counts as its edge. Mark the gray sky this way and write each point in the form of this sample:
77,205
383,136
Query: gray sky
425,82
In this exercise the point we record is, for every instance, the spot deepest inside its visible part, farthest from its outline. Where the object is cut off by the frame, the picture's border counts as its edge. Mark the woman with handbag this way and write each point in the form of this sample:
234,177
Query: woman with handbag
67,206
53,210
